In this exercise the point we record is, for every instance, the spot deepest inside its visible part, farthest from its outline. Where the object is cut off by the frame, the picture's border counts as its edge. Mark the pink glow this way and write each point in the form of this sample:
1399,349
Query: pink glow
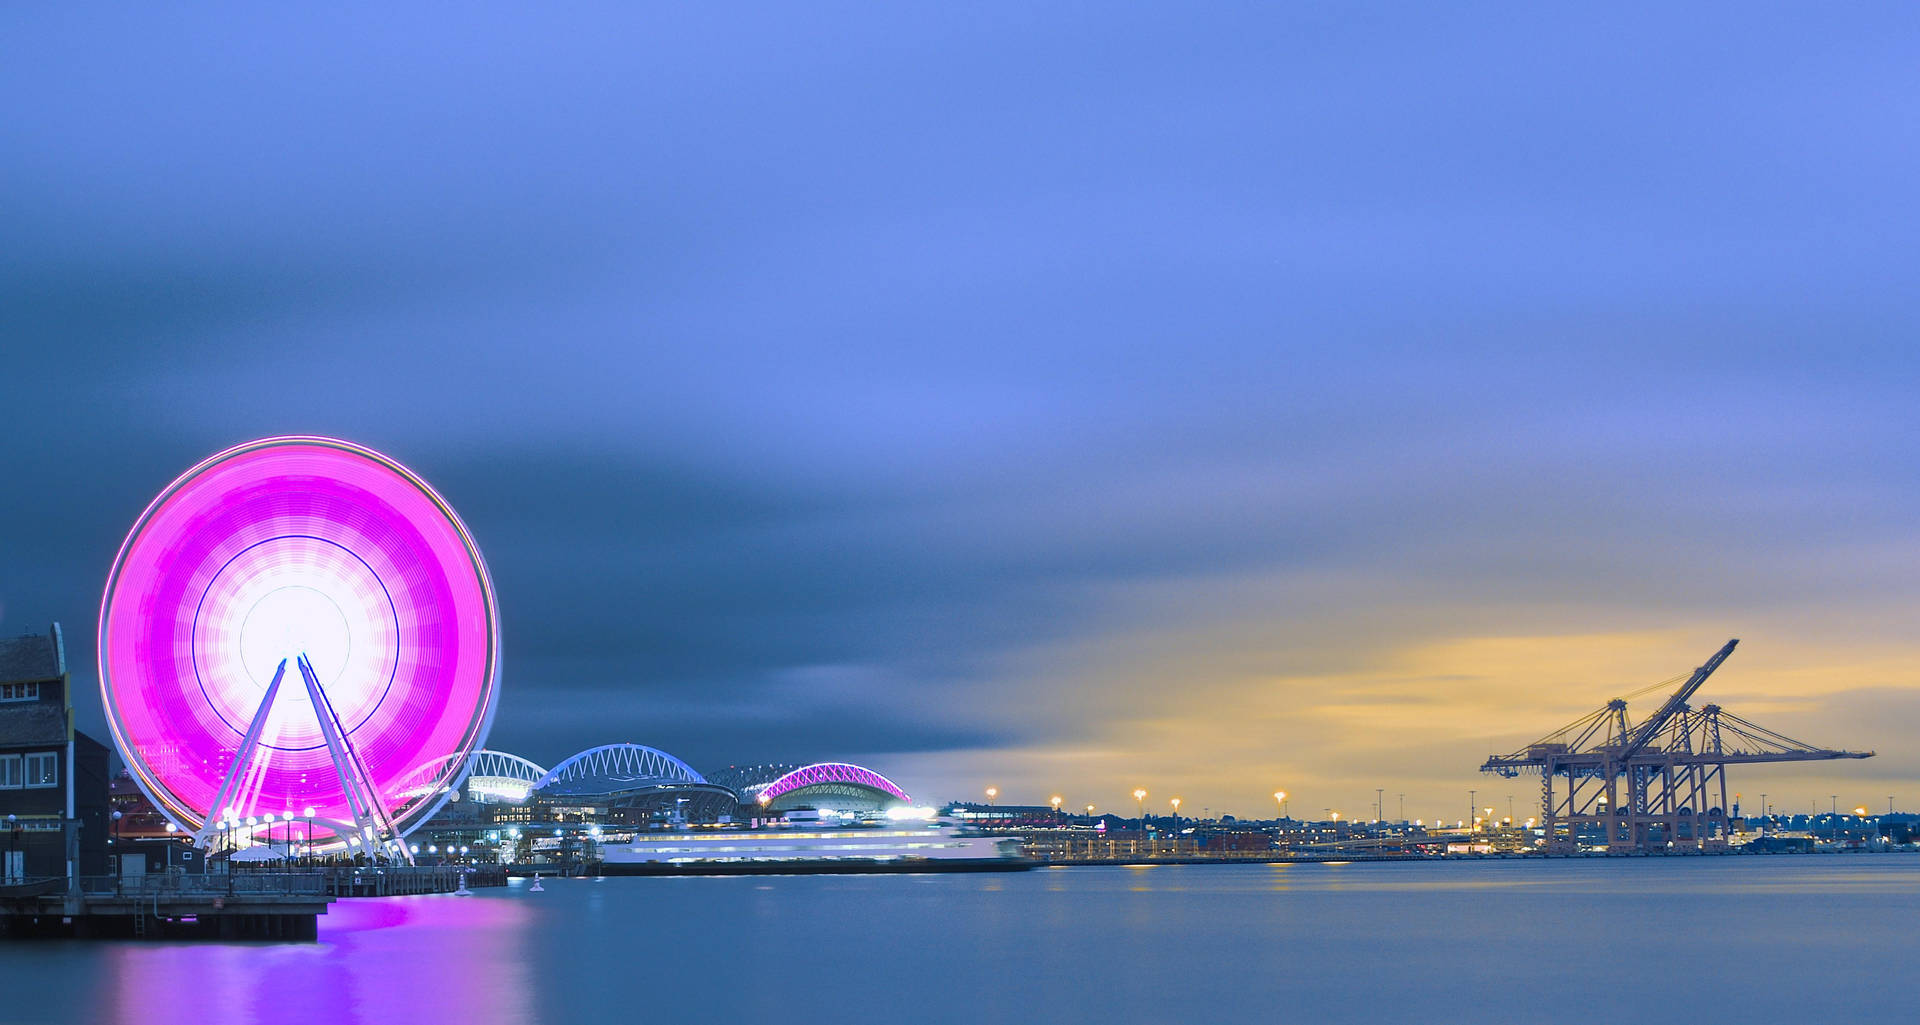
297,543
833,772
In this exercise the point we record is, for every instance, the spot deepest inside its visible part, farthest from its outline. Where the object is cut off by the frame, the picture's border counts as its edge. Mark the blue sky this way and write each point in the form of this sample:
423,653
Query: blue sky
1208,399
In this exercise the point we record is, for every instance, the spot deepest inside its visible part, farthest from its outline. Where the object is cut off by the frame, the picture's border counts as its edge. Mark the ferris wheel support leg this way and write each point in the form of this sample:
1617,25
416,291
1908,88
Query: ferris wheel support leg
237,773
370,817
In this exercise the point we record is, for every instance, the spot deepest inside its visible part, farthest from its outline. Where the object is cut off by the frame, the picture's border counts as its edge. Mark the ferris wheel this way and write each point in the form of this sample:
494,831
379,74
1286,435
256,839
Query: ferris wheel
294,627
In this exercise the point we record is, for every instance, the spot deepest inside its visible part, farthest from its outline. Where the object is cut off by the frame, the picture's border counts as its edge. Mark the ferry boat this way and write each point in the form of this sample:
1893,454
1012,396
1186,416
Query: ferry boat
815,850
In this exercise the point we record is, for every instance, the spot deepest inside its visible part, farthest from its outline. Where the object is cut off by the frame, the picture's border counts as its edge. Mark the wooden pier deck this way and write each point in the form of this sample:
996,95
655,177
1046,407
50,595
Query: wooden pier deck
243,905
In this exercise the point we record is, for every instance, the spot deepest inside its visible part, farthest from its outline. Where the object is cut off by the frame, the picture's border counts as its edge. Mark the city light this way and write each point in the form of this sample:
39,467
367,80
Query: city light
909,813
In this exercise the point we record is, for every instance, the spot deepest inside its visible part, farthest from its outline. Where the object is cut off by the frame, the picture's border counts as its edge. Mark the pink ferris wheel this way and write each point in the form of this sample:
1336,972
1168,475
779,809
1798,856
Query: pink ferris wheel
296,626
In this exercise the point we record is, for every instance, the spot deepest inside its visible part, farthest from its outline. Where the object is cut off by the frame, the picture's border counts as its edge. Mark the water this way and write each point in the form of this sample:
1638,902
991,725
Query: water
1817,938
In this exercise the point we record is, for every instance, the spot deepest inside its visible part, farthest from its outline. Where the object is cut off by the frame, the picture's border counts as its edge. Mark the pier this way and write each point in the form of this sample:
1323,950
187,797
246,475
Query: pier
224,906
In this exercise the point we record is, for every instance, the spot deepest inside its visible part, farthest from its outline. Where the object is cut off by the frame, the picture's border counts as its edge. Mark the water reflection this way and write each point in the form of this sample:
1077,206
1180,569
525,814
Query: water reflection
403,958
1068,945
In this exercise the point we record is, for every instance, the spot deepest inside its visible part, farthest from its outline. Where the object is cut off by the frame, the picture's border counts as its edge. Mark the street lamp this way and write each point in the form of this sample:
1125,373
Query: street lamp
1140,804
13,844
119,873
1176,822
1280,799
1056,808
306,855
992,792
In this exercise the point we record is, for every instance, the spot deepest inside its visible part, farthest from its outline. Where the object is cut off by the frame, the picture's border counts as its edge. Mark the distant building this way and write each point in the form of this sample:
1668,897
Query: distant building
1002,816
53,778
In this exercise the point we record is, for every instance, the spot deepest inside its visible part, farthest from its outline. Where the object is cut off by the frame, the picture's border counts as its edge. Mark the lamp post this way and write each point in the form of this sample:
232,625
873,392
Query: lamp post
1176,824
13,844
306,852
1089,812
1056,808
992,792
119,873
1140,804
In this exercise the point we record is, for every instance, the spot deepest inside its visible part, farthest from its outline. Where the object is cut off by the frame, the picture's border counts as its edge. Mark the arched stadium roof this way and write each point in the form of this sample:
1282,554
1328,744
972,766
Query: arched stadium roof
746,780
835,775
488,774
498,775
620,770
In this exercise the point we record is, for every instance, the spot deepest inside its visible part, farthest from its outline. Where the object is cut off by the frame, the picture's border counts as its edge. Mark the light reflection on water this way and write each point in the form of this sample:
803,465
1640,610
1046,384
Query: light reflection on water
1773,939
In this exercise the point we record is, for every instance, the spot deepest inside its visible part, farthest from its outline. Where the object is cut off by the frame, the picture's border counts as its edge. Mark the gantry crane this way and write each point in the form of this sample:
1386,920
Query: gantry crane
1673,766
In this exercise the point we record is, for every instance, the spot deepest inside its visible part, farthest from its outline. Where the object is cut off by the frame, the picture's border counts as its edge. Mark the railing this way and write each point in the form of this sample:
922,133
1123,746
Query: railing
289,884
332,881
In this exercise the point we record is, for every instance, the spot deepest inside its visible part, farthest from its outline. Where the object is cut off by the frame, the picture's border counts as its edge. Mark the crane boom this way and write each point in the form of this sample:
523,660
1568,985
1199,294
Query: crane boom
1658,721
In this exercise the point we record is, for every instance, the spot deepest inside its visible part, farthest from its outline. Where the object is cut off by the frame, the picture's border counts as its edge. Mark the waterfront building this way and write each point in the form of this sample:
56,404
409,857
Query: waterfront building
1002,816
53,778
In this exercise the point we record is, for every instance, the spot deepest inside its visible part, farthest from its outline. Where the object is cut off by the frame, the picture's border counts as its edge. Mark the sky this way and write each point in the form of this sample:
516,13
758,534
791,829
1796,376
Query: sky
1066,398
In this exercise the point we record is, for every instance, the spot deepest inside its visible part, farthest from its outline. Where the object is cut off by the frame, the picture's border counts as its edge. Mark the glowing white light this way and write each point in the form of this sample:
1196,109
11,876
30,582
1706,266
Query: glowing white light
290,621
901,812
511,790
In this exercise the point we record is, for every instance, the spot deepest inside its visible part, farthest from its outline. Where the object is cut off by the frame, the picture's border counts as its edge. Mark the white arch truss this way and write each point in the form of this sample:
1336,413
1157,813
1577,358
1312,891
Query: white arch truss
621,762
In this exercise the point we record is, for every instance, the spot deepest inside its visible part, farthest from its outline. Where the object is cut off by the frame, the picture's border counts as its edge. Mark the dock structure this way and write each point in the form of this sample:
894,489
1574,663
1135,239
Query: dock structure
225,906
277,906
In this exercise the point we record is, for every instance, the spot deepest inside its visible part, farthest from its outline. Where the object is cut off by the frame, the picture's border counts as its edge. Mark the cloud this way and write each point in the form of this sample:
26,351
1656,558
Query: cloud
1102,400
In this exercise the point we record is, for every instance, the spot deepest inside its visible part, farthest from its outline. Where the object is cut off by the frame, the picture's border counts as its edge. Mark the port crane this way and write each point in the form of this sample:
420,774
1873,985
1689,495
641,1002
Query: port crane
1660,784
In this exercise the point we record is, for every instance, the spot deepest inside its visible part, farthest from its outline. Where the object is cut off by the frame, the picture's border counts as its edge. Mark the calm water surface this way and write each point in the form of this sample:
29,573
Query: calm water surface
1817,938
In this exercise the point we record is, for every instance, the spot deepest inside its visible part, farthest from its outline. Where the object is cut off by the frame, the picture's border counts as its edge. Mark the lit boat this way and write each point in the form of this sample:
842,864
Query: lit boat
808,851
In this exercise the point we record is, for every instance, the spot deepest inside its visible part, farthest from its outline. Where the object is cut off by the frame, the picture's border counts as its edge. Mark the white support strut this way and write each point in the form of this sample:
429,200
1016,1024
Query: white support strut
370,817
372,824
237,773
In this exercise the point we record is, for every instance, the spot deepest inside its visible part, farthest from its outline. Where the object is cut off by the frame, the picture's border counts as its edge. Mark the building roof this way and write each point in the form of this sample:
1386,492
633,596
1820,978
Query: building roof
34,723
33,657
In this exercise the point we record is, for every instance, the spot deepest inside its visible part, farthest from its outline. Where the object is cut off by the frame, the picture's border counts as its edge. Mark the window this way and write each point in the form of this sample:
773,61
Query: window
19,692
10,777
43,769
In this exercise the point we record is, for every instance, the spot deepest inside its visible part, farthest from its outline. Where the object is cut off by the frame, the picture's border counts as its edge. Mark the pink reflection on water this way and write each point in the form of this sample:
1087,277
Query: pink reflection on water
438,958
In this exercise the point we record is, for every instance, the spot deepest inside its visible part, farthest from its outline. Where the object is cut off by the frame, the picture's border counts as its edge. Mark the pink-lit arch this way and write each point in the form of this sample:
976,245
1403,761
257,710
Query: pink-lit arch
283,547
833,772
